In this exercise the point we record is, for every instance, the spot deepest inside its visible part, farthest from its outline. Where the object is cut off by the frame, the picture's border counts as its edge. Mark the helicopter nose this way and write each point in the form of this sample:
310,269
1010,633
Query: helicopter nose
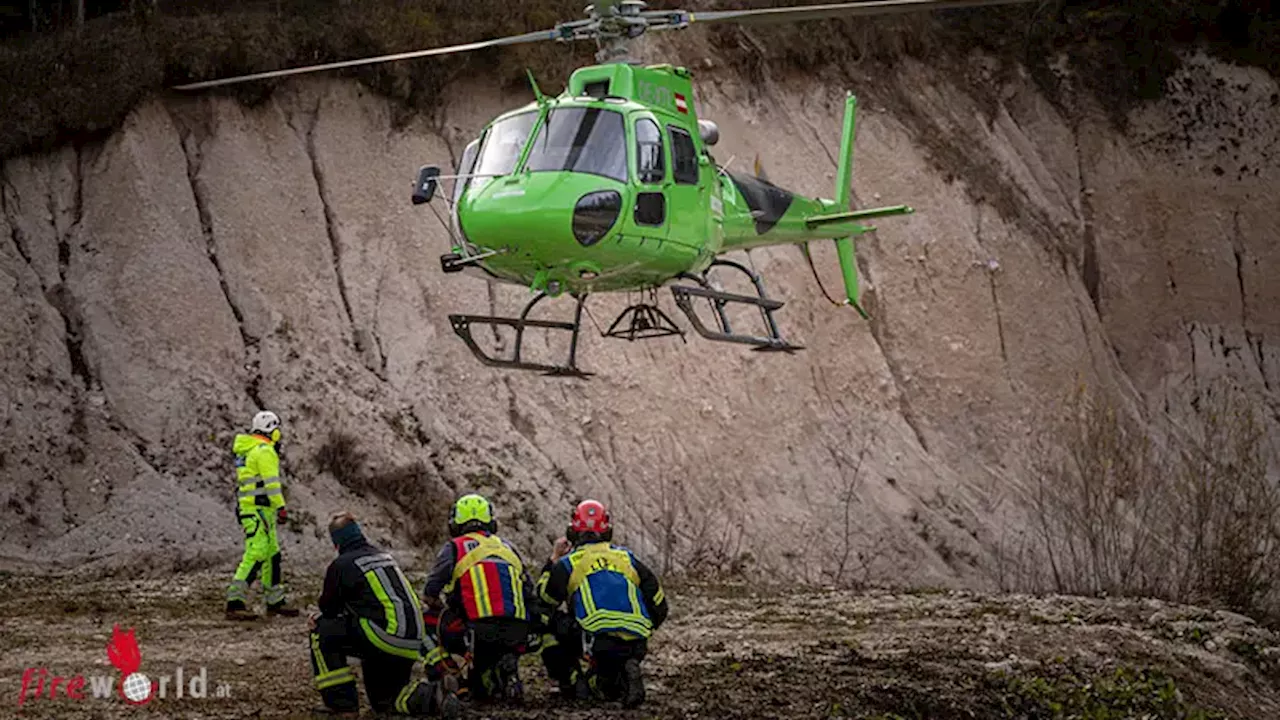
552,216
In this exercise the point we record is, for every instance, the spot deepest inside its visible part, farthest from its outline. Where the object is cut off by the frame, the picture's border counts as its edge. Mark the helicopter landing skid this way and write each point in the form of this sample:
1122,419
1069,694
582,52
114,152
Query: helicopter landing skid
462,326
719,299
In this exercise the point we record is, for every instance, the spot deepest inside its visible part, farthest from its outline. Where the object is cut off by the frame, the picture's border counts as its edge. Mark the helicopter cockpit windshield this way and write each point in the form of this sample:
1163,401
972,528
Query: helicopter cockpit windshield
572,139
581,139
503,143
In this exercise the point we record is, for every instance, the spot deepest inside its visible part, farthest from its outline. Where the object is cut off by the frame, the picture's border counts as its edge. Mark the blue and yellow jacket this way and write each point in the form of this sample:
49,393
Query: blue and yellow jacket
607,589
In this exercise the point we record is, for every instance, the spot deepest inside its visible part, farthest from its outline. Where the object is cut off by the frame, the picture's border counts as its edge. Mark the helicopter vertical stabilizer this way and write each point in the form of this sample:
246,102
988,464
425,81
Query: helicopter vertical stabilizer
844,193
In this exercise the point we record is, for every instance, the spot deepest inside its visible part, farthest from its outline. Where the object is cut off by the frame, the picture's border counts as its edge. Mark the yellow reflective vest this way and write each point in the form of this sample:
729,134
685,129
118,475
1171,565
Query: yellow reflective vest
257,474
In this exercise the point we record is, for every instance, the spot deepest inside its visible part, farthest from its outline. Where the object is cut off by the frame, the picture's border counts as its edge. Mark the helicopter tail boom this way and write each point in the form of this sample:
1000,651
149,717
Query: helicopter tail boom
769,215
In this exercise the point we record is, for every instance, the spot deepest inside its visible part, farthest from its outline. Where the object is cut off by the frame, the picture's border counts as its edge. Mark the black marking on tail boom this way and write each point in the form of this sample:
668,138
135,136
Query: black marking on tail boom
768,202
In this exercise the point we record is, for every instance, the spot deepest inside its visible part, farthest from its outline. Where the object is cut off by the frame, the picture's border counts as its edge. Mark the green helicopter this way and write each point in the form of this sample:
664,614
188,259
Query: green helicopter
610,187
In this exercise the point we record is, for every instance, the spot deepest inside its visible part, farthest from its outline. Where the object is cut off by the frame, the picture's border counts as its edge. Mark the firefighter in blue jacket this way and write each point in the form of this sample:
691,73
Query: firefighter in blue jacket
614,604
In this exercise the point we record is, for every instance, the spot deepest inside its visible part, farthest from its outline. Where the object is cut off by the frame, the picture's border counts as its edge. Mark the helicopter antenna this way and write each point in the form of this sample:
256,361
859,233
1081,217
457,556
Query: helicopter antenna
613,24
537,91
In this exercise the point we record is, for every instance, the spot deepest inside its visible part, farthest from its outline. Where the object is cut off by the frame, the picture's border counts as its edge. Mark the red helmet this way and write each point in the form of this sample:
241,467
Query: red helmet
590,517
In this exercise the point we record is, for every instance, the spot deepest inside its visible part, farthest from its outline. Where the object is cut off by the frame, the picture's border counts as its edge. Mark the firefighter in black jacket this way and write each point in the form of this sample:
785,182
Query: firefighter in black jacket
368,609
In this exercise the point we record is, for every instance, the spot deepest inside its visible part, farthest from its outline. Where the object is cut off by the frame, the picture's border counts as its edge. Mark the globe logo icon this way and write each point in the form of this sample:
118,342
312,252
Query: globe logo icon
136,687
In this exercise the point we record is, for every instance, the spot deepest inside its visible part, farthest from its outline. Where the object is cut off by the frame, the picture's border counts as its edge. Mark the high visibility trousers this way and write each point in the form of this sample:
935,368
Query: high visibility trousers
387,678
261,555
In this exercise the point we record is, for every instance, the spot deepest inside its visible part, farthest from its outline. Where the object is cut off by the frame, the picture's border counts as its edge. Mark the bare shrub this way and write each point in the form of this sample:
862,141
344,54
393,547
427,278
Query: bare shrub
716,553
420,497
668,516
1194,519
1093,502
341,457
1227,524
859,550
415,489
705,545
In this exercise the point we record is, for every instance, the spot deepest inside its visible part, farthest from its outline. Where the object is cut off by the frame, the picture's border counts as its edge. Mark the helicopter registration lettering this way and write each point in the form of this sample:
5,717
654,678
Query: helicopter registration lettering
654,94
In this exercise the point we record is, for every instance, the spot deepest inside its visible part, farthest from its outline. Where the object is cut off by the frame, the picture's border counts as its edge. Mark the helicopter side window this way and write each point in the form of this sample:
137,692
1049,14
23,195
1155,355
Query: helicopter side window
585,140
649,160
502,144
684,157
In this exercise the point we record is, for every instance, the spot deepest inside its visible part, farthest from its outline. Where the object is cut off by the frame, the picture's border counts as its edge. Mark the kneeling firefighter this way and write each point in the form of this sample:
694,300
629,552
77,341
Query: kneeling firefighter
369,610
614,604
479,596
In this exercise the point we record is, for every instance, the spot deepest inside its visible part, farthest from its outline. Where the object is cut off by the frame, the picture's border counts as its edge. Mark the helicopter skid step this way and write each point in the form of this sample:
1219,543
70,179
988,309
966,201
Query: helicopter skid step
462,326
718,298
724,297
683,295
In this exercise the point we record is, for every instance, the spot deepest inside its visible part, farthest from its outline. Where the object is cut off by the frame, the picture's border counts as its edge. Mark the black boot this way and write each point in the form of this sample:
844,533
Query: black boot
633,684
508,672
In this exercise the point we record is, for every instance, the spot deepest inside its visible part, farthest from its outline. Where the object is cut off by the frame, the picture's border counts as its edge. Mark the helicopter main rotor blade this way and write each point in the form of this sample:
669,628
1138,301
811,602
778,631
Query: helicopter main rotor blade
852,9
511,40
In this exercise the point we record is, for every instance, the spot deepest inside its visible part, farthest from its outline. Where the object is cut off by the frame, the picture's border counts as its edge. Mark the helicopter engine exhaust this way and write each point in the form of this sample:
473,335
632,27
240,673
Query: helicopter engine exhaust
709,131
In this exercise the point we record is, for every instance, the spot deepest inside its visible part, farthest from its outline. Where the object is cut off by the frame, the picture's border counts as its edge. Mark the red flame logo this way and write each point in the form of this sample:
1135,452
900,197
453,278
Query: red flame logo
123,652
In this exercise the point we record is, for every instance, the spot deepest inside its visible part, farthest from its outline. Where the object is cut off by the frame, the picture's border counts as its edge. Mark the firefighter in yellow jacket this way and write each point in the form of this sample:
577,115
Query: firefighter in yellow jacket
260,505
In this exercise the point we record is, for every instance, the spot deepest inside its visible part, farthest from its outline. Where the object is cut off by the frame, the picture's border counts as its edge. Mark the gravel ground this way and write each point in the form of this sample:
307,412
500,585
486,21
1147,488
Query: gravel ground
728,651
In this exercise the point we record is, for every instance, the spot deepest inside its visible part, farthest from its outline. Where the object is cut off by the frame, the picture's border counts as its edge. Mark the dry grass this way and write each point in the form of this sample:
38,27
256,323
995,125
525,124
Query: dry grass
1194,519
418,500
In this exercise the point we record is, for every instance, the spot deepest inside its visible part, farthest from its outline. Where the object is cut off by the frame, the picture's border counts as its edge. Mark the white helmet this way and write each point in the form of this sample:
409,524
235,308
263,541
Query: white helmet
265,421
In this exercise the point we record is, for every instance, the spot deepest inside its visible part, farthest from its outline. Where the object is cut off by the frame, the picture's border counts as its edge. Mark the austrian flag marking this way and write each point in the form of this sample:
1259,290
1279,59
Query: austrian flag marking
681,105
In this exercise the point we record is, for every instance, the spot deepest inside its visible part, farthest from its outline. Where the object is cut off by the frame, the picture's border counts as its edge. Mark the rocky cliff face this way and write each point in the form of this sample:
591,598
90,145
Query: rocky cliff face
210,259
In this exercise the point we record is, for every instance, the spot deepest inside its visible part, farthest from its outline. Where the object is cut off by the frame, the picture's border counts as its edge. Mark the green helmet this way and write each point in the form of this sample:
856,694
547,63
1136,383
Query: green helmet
472,507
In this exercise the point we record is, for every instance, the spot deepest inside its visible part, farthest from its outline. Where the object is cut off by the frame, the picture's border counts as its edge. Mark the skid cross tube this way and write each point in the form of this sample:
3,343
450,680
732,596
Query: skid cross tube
462,326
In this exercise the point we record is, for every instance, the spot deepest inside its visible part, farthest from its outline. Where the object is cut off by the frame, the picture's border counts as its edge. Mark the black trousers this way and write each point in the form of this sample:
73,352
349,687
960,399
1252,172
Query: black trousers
387,678
563,658
491,639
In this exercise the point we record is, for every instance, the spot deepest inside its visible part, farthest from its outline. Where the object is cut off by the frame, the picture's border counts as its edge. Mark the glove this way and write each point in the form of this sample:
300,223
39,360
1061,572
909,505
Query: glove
431,619
282,515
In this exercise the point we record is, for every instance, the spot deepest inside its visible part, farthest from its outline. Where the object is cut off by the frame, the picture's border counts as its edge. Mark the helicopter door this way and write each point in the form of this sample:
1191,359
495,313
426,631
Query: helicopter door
651,170
684,201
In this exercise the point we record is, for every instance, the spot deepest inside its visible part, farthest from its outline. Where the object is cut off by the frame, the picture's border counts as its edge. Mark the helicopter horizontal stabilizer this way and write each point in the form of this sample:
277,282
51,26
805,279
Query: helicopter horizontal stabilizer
819,220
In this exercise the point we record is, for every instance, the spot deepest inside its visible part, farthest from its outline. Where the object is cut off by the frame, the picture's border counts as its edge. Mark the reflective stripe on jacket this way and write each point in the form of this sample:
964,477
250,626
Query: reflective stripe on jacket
489,577
607,589
257,474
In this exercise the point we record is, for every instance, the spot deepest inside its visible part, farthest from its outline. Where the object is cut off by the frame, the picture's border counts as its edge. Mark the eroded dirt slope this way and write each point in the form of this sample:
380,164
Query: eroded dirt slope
209,259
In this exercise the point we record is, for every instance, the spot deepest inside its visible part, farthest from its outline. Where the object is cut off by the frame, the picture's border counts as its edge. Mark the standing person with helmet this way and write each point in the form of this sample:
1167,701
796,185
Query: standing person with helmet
260,506
480,597
614,602
368,610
